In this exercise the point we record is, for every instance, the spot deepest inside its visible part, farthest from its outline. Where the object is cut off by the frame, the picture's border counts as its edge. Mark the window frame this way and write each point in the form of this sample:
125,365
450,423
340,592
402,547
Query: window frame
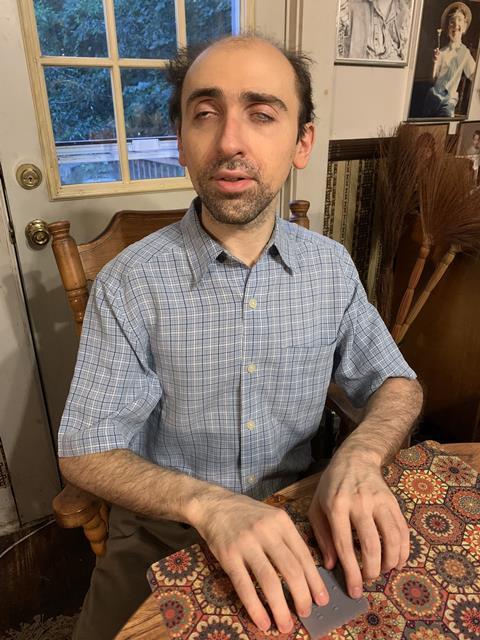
36,64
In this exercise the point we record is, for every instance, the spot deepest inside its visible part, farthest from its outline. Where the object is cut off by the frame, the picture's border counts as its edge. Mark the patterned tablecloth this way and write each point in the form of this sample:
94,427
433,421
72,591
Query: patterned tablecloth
435,597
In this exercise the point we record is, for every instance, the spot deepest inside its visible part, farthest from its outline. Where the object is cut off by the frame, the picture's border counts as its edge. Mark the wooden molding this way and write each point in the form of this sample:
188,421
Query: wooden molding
360,148
356,149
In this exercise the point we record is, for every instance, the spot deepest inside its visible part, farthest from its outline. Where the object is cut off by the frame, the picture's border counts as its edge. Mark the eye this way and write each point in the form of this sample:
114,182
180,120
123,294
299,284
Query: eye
261,116
205,114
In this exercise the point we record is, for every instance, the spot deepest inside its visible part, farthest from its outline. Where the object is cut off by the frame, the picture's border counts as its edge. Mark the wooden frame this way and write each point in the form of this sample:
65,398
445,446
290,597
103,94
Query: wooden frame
37,63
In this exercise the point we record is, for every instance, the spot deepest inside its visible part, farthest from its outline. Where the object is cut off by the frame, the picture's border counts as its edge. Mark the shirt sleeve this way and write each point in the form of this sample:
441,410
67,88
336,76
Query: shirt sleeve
366,354
470,66
114,387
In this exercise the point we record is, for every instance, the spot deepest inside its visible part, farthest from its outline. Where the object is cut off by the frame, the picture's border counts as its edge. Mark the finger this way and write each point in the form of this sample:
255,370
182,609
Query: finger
404,542
271,586
404,532
389,529
370,545
292,571
302,553
243,585
342,535
323,535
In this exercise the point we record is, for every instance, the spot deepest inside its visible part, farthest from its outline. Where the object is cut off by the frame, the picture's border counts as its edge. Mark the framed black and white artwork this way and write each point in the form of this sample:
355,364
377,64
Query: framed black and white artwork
374,32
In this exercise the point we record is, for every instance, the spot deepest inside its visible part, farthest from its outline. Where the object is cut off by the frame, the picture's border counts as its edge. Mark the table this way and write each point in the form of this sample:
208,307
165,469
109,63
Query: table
147,623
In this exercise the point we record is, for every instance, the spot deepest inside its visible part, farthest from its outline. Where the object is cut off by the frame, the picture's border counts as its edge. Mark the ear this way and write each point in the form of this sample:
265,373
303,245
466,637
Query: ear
181,154
304,147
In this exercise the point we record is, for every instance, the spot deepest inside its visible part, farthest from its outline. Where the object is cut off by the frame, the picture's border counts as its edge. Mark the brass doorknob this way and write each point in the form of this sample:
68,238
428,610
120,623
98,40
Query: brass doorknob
37,233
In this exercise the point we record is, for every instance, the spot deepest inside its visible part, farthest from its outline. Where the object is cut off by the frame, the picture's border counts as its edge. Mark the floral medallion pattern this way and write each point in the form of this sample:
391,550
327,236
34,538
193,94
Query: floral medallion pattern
465,502
453,471
423,486
471,538
436,596
454,569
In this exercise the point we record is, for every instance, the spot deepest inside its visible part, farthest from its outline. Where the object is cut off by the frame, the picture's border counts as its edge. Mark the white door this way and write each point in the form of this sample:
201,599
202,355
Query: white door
50,319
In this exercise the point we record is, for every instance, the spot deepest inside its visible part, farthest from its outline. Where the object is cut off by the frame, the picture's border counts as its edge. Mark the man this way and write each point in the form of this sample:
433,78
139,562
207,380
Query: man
374,29
205,358
450,63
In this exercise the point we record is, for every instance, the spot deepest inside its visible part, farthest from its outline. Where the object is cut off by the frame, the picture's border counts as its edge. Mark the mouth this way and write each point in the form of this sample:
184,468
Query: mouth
232,181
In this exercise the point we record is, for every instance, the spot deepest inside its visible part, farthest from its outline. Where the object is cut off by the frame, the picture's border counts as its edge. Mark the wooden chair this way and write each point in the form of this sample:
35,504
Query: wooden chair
78,265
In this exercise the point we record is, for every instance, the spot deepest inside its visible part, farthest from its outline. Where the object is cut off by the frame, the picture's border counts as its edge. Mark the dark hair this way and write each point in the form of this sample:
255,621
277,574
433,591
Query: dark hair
178,67
476,133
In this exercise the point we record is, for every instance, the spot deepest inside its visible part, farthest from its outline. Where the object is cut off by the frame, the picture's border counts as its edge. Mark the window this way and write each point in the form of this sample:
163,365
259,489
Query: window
98,77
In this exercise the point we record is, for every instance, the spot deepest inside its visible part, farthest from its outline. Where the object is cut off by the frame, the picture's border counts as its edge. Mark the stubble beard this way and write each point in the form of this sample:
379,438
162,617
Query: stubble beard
236,208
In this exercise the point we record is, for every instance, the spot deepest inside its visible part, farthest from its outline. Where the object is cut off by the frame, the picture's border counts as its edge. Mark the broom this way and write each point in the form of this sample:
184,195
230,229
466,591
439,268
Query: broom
396,198
450,216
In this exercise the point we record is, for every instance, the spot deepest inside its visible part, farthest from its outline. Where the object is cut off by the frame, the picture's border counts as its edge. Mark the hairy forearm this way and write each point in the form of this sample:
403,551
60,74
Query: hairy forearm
389,417
123,478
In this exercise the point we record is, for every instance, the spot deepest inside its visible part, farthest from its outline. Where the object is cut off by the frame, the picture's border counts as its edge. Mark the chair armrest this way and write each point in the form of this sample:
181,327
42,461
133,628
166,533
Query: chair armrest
337,401
74,507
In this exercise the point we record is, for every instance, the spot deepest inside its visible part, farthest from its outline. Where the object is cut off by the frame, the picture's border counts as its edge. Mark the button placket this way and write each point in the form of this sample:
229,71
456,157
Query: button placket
248,432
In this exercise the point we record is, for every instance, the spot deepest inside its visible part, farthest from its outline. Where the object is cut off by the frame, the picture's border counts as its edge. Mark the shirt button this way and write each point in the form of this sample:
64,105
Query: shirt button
252,303
252,368
250,425
251,479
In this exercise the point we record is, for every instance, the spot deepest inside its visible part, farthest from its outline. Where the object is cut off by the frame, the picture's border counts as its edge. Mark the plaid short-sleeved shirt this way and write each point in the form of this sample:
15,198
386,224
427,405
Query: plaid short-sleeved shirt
196,362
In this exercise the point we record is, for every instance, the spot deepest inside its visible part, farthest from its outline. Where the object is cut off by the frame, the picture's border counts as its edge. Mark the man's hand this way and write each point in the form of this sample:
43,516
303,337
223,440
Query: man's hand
249,536
352,494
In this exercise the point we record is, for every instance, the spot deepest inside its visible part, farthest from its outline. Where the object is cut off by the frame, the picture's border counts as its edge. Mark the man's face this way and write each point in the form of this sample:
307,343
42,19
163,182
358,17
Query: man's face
457,25
239,128
476,141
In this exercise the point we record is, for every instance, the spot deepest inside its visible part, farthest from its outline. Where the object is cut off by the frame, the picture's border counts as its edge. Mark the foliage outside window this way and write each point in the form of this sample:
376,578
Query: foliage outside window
98,75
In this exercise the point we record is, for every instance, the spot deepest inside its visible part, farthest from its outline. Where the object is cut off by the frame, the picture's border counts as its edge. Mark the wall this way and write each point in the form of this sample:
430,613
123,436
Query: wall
368,99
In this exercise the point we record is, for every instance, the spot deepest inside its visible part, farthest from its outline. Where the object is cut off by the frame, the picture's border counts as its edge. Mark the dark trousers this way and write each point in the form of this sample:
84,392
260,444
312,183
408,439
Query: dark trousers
119,584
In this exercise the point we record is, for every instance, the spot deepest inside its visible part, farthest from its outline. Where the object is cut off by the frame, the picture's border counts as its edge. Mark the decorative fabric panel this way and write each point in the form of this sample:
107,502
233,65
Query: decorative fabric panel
349,212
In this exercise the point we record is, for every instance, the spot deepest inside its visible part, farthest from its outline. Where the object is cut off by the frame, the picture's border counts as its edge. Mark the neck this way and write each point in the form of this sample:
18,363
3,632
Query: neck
244,241
383,7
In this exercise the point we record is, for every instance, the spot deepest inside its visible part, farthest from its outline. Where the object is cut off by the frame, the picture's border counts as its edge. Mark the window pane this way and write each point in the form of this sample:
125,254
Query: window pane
209,19
152,147
83,122
71,28
146,28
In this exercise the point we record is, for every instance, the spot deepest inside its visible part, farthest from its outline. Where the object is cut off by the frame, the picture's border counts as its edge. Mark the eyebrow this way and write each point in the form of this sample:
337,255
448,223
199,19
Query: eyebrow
248,97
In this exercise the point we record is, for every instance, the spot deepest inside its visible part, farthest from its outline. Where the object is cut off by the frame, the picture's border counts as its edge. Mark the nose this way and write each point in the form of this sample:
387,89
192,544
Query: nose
231,136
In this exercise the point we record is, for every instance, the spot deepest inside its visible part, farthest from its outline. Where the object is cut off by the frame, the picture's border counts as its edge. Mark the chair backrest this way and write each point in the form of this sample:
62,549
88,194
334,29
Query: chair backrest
79,264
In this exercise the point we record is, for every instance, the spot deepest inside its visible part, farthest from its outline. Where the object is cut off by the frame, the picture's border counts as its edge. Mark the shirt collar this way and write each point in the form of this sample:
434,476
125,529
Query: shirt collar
202,250
281,244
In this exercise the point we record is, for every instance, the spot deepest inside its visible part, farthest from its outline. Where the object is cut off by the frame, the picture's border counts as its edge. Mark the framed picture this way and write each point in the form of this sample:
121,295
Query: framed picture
446,60
468,146
430,139
374,32
468,143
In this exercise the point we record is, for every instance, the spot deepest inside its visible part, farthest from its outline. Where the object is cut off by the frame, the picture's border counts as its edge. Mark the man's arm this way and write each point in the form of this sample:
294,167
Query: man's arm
244,534
353,495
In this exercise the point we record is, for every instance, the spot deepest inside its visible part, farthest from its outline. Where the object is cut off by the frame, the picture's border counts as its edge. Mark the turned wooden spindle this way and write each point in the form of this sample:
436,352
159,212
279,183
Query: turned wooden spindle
298,209
71,270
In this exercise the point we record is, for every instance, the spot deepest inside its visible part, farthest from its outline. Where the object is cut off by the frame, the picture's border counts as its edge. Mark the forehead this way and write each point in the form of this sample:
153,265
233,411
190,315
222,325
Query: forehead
457,13
238,67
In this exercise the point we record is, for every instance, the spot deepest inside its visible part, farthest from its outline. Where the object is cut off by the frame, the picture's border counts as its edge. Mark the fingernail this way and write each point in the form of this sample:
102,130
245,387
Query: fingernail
305,613
356,592
265,625
286,628
321,598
